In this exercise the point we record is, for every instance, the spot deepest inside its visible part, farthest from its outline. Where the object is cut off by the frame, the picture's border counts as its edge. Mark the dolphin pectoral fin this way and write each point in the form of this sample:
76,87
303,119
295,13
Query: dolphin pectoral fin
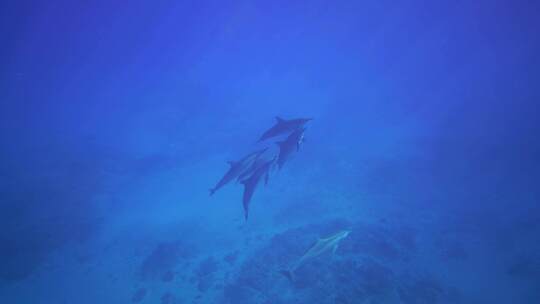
287,273
334,249
246,210
261,152
245,200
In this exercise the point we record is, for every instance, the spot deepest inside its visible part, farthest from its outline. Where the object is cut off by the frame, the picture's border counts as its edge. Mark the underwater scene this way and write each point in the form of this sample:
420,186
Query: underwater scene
270,152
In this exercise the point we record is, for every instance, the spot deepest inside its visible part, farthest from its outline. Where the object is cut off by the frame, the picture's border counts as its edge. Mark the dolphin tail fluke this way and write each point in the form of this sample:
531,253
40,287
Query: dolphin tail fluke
245,200
288,274
246,211
212,191
280,165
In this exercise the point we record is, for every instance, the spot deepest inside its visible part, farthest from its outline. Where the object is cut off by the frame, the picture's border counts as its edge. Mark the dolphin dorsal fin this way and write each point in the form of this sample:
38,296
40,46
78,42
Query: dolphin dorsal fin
279,119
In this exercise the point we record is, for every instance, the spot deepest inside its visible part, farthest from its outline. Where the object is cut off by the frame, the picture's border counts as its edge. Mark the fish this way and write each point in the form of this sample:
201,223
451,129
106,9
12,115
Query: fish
251,183
321,246
289,145
284,126
236,169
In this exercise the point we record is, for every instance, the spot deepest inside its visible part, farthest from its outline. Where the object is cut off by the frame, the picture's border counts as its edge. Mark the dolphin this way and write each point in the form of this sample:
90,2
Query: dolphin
289,145
321,246
251,183
284,126
251,169
237,168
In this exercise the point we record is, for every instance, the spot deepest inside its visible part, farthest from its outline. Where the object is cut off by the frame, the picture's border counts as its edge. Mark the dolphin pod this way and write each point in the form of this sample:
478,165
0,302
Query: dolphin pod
254,167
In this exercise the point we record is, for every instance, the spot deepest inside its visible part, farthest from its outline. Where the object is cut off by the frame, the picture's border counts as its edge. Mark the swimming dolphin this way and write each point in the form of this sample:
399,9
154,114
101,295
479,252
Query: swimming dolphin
283,126
289,145
251,183
251,169
237,168
321,246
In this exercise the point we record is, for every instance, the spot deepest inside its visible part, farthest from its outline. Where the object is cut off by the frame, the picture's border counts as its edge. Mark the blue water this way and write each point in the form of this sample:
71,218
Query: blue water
117,117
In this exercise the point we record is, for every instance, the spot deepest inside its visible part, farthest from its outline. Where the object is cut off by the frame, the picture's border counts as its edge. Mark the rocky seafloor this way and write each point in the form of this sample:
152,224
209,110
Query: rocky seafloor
376,263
